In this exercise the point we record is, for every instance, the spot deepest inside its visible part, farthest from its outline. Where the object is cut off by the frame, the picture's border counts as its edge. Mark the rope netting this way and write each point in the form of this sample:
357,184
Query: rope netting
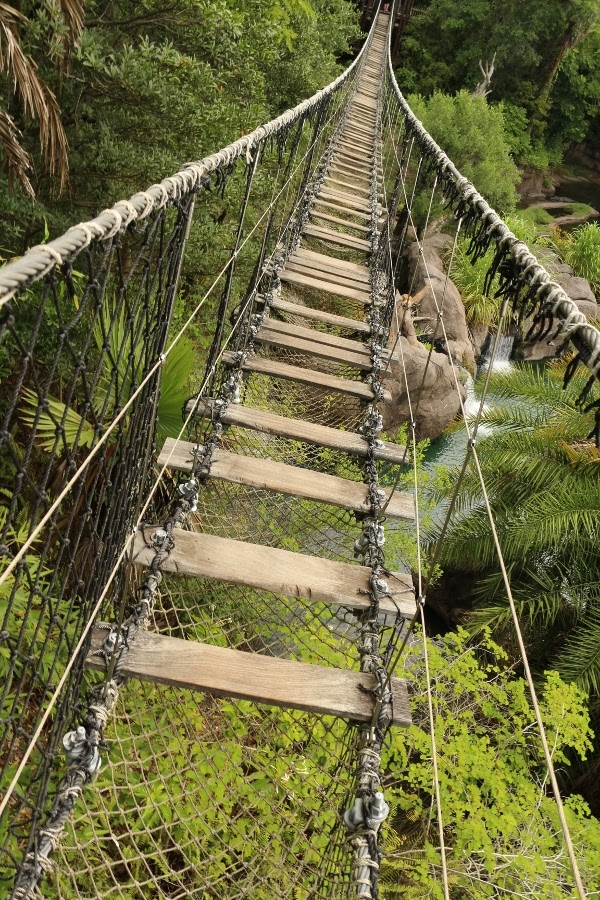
166,791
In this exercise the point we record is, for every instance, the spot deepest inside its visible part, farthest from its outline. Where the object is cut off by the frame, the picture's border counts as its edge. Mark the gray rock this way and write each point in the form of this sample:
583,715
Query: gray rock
438,241
479,339
434,289
577,288
439,403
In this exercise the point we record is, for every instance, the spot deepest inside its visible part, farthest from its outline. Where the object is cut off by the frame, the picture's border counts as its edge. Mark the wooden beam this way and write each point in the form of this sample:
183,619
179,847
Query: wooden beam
337,261
299,430
336,237
313,377
319,315
252,676
313,269
356,359
271,475
281,572
330,287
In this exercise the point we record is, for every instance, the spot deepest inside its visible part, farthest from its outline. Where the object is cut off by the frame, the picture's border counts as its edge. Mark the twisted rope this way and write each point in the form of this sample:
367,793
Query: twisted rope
40,260
547,297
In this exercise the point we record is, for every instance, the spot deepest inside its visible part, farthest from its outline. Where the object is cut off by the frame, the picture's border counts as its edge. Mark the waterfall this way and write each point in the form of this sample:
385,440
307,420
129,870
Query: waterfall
502,361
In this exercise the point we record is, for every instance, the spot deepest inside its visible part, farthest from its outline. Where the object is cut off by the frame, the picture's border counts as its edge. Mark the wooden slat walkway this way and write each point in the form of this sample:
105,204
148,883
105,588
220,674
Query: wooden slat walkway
341,221
299,430
271,569
311,377
319,315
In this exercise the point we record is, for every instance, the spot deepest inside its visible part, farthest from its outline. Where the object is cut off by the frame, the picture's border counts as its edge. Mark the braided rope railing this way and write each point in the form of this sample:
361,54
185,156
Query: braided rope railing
523,279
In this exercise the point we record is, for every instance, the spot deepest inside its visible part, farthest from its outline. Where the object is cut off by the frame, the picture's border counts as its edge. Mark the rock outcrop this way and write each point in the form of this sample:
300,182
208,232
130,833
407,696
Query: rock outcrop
429,286
435,402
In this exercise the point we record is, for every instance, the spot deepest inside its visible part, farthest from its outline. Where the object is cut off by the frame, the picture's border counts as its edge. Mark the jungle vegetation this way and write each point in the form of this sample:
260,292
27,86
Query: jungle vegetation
102,99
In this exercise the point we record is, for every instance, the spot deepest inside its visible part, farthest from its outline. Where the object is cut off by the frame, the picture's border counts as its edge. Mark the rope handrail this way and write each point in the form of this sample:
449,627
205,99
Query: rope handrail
41,259
546,296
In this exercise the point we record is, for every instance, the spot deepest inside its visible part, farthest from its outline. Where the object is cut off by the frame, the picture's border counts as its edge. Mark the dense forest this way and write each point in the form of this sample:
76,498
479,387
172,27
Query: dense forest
104,98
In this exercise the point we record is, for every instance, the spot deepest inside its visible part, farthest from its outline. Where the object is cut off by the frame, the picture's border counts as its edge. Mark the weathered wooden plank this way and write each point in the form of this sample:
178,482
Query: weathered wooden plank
311,334
322,337
347,199
277,369
318,315
343,356
331,287
336,237
298,430
271,475
336,261
344,223
356,188
327,272
280,571
344,209
252,676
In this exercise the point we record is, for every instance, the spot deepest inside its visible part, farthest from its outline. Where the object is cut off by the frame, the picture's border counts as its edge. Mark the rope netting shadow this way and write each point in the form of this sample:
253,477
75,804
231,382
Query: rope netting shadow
122,494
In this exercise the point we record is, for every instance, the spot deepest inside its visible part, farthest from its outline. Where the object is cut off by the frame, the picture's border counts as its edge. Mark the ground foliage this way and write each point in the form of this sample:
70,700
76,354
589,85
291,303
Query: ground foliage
501,826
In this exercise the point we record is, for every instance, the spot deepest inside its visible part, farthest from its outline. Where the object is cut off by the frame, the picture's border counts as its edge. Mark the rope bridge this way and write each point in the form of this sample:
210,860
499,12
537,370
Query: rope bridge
204,614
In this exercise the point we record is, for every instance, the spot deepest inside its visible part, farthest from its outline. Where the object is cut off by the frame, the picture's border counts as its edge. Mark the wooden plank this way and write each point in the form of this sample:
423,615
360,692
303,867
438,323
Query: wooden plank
270,475
343,223
282,572
336,237
275,338
277,369
357,174
332,340
311,334
327,272
353,187
345,197
344,264
331,287
298,430
252,676
344,209
319,315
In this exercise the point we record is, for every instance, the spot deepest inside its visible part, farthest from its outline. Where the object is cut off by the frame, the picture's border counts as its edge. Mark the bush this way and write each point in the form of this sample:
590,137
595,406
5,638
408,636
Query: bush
473,135
501,824
581,250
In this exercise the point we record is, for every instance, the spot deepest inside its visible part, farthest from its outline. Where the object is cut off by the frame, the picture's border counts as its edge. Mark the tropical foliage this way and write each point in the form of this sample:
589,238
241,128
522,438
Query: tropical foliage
542,476
472,134
501,826
581,250
546,65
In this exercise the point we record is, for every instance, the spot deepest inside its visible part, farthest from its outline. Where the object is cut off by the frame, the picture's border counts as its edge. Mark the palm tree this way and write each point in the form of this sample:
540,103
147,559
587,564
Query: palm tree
542,475
32,96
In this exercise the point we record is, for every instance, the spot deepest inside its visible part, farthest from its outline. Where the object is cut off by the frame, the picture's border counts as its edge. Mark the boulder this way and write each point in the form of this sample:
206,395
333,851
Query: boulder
479,338
581,293
432,286
438,405
438,241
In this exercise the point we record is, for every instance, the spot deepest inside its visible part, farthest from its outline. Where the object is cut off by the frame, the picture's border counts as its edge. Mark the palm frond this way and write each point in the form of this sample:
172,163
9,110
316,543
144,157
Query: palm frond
39,103
579,659
17,159
72,13
59,428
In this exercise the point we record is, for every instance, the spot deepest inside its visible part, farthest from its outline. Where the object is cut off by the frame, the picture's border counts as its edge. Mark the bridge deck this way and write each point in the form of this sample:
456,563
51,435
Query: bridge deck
299,341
